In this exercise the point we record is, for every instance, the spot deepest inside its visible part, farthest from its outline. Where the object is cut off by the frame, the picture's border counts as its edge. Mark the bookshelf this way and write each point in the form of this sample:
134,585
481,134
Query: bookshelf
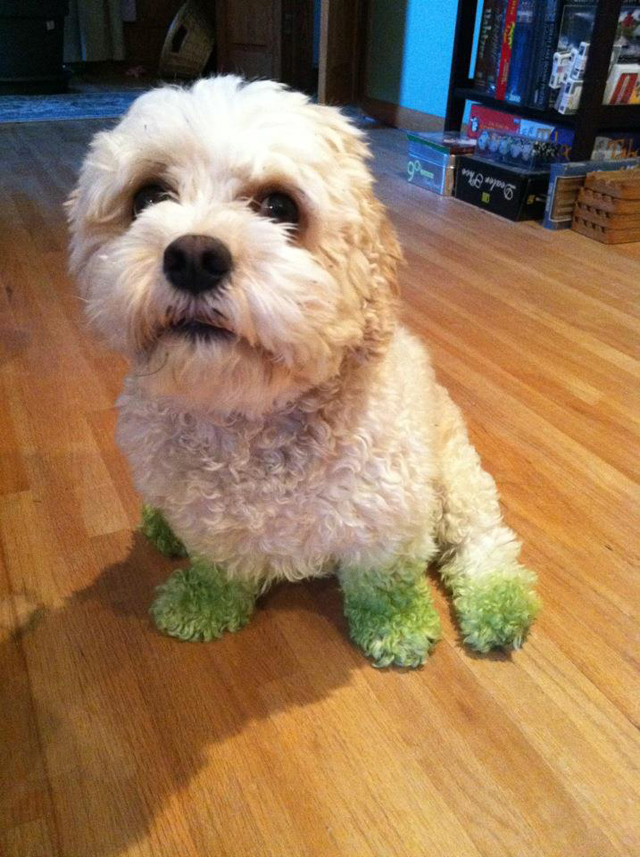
592,116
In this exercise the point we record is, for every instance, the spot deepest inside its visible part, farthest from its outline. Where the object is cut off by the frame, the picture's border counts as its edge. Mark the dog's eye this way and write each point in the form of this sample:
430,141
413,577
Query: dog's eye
281,208
148,195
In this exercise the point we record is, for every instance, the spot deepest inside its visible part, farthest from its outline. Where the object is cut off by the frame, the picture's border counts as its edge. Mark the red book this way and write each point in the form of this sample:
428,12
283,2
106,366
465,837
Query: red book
507,46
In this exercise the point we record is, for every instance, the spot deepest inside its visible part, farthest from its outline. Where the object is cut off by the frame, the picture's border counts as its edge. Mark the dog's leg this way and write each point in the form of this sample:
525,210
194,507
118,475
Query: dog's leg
390,612
493,594
160,534
200,603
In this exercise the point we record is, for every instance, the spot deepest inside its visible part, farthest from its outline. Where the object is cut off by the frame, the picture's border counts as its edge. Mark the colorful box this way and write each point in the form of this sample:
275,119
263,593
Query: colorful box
483,118
623,85
517,150
614,145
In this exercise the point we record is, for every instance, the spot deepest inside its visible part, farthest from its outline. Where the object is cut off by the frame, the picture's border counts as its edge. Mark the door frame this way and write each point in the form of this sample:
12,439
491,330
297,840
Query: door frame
332,92
356,88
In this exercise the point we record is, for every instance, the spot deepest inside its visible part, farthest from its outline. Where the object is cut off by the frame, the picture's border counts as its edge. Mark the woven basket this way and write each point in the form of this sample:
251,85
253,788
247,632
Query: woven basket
189,43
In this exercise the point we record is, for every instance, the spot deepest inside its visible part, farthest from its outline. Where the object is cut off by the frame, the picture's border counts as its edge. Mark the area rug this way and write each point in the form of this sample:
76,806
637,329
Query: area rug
70,105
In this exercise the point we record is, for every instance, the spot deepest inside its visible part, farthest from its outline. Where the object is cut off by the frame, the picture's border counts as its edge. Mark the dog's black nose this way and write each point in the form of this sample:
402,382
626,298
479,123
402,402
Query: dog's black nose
196,263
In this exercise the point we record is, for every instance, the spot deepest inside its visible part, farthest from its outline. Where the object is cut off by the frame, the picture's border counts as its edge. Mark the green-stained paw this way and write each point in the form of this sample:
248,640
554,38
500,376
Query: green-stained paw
496,609
159,533
391,615
201,603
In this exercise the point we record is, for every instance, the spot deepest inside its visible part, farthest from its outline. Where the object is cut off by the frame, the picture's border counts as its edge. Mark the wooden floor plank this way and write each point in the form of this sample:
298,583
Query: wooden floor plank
281,740
27,818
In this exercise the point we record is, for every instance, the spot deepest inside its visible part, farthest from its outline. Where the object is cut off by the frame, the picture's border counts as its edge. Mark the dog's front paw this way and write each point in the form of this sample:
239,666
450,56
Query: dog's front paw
160,534
398,646
496,610
200,603
391,617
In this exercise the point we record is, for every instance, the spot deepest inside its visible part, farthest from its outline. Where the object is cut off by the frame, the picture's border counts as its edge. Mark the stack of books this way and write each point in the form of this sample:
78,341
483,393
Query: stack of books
534,53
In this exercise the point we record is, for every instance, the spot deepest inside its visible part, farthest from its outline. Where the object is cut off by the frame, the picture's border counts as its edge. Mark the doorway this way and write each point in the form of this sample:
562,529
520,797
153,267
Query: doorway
317,46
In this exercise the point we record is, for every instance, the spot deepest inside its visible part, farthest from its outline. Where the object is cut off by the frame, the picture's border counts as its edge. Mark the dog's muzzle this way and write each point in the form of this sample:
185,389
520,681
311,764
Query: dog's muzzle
196,263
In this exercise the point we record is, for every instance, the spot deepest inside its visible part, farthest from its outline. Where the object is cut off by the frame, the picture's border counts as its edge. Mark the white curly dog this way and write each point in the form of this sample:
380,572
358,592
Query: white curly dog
279,421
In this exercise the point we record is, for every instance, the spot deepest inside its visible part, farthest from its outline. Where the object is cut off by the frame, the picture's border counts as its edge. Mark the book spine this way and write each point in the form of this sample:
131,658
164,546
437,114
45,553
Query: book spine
521,55
506,49
495,44
481,73
546,39
538,12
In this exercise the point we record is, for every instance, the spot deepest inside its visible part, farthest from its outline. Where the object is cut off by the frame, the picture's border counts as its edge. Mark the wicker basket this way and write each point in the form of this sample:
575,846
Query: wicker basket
189,42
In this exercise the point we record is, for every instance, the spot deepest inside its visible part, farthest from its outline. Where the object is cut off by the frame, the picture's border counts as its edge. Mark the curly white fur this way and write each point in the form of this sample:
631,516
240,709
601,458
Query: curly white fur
318,435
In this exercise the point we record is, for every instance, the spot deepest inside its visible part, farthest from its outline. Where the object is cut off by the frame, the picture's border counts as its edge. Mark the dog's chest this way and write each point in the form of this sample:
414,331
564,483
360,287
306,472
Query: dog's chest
282,488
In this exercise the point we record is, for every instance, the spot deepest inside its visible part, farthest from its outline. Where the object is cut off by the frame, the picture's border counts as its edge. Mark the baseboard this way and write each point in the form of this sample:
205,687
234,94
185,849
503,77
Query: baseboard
401,117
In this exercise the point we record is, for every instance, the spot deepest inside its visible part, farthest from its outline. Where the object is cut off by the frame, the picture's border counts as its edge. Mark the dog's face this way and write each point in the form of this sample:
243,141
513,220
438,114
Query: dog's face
226,238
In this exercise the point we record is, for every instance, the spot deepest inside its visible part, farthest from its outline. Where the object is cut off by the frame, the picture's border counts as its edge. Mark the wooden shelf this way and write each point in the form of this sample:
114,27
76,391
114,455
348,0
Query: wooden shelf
620,117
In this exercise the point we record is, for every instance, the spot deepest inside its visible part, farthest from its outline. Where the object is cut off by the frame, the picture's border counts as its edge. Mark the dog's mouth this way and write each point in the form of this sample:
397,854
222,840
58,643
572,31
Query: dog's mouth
197,326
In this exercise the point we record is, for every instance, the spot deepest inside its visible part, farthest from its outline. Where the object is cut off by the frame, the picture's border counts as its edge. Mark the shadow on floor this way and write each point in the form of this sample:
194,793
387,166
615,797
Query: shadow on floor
127,718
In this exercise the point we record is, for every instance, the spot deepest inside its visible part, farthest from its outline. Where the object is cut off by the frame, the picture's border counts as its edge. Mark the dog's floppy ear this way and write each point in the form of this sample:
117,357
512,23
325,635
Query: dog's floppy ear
389,255
104,179
341,135
373,235
380,244
98,201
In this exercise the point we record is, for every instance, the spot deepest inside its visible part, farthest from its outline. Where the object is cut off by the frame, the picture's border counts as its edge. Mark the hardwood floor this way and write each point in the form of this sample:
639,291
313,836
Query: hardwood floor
282,740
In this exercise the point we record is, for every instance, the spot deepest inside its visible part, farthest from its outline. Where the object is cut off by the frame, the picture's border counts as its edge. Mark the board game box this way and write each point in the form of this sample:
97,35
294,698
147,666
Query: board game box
432,158
508,191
